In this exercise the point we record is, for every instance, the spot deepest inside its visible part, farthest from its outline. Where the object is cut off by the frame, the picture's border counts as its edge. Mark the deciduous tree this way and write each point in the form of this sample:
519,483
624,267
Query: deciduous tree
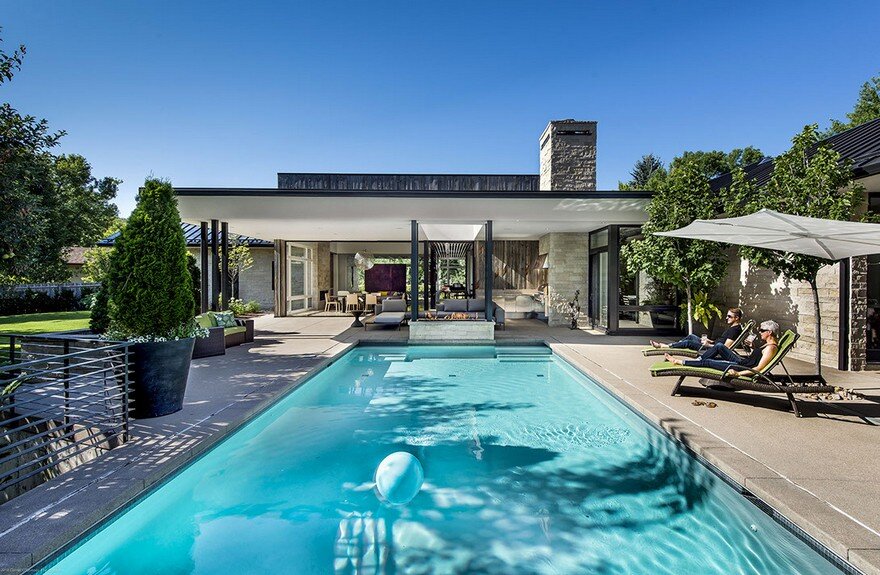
692,266
866,108
808,180
49,203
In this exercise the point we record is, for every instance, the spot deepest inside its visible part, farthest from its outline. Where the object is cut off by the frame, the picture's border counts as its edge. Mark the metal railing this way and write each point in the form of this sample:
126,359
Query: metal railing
63,399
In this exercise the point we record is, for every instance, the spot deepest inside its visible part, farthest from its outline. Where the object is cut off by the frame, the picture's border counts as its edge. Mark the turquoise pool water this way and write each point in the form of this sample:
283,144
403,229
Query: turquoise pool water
529,468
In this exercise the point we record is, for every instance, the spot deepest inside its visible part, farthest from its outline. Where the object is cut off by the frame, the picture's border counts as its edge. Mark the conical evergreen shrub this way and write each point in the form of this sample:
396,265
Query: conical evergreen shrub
149,284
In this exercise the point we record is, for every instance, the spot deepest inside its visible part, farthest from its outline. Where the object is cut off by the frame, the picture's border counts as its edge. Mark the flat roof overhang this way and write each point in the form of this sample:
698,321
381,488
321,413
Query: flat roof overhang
368,215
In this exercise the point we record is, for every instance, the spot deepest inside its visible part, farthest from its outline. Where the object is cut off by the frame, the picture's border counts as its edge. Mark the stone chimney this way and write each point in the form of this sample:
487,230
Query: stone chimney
568,156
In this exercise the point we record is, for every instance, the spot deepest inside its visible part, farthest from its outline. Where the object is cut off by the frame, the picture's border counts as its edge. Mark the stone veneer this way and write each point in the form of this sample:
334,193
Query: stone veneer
763,295
254,283
567,257
451,330
568,156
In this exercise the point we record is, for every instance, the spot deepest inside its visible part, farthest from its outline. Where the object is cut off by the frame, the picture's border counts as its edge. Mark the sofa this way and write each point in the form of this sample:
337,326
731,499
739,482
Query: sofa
219,338
472,308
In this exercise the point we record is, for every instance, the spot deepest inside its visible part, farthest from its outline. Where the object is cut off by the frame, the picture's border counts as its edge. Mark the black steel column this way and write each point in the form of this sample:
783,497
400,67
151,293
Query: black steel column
845,297
215,265
613,279
473,285
224,268
414,272
490,274
426,261
432,278
203,252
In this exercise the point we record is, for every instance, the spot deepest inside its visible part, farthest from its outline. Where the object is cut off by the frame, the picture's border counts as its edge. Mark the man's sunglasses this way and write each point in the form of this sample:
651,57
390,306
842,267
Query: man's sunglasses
730,315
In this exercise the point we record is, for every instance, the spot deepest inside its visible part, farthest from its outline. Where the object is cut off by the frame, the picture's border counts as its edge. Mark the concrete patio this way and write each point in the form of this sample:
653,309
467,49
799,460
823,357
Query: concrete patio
820,471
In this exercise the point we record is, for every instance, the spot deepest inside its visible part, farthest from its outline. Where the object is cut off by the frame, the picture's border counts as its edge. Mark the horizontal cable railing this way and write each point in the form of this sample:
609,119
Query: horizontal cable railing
63,400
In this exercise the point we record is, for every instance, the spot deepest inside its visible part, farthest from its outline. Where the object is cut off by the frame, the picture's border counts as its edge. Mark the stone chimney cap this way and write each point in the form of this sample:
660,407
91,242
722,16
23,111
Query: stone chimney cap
568,127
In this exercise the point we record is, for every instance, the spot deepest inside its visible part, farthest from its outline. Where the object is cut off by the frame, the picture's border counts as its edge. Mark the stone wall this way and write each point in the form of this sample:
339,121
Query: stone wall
858,314
567,258
323,267
568,156
763,295
254,283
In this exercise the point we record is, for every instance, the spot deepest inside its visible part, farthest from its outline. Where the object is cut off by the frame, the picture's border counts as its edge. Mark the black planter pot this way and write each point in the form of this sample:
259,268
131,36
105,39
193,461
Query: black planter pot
159,374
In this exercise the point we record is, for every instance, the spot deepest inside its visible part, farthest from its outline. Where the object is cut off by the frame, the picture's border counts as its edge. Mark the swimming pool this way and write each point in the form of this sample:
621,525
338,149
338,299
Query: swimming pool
529,467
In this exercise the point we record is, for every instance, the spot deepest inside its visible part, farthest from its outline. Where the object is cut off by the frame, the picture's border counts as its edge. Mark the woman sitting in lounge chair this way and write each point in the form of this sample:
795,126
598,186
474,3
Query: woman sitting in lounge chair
730,335
720,357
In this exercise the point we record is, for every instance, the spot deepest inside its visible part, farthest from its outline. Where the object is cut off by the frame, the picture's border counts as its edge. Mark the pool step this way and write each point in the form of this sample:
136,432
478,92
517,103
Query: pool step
532,355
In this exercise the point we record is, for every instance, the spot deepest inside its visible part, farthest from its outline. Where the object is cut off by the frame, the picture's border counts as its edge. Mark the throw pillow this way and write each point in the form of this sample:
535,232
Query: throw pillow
225,319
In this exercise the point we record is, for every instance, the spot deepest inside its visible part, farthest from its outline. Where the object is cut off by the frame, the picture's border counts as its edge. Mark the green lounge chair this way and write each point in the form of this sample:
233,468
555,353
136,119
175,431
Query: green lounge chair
762,381
692,354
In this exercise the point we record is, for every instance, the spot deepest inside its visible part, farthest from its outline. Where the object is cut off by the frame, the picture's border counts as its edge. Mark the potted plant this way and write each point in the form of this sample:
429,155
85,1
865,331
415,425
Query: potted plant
704,312
150,301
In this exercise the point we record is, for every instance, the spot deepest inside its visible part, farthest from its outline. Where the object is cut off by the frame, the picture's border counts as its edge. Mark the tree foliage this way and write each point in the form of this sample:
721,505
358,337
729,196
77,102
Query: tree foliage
808,180
96,260
711,164
149,283
641,173
240,259
866,108
49,203
691,265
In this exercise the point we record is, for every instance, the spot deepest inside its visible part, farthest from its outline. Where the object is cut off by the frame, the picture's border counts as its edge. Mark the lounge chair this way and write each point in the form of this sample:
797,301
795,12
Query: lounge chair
762,381
392,312
692,353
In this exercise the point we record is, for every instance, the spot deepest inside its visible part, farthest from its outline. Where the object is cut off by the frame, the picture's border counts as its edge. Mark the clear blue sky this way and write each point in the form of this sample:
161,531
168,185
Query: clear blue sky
229,93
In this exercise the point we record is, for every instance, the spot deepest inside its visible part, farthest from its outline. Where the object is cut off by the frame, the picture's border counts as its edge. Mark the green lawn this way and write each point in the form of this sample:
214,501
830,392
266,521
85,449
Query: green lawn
44,322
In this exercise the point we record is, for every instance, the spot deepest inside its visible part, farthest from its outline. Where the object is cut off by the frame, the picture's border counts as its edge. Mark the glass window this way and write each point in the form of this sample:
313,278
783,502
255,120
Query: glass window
599,239
299,277
599,287
644,302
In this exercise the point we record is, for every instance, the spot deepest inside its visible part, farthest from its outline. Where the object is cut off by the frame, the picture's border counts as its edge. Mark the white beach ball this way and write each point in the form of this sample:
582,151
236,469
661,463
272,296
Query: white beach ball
399,478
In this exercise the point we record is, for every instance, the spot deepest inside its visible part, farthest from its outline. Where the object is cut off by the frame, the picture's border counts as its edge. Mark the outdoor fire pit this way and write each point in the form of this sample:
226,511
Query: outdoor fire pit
458,327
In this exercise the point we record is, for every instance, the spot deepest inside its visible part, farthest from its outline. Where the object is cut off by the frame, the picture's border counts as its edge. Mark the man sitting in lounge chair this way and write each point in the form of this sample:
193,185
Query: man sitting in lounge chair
730,335
720,357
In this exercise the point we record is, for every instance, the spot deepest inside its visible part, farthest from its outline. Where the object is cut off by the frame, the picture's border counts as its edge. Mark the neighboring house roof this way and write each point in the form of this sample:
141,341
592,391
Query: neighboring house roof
75,256
861,145
193,236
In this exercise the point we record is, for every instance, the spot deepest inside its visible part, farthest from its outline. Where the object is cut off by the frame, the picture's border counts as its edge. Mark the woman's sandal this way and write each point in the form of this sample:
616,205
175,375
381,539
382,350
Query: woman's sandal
656,344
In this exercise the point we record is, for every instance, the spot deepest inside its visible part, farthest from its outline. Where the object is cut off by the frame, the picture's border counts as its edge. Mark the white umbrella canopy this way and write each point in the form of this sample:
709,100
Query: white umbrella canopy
828,239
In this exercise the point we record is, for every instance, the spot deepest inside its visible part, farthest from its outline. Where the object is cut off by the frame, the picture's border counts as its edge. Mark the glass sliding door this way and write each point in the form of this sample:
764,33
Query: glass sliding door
300,294
643,301
598,274
625,300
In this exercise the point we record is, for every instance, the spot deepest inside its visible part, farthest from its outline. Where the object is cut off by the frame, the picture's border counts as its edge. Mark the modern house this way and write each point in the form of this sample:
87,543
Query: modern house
540,240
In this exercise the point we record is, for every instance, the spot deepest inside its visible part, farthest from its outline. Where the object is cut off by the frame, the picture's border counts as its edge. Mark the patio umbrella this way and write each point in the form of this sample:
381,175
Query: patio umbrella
829,239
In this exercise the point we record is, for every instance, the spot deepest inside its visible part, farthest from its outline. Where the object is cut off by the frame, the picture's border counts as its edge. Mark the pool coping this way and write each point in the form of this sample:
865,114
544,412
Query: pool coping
830,528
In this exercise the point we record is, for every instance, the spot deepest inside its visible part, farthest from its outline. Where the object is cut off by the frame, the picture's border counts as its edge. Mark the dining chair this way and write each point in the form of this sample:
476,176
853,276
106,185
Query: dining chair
352,302
330,301
340,299
372,300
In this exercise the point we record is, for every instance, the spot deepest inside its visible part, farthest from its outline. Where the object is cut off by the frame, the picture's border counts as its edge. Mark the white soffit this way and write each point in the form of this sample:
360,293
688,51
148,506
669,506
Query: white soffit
450,232
377,218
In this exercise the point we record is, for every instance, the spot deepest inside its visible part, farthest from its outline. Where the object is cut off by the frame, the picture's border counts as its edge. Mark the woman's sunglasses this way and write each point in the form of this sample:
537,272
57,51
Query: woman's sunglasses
763,330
